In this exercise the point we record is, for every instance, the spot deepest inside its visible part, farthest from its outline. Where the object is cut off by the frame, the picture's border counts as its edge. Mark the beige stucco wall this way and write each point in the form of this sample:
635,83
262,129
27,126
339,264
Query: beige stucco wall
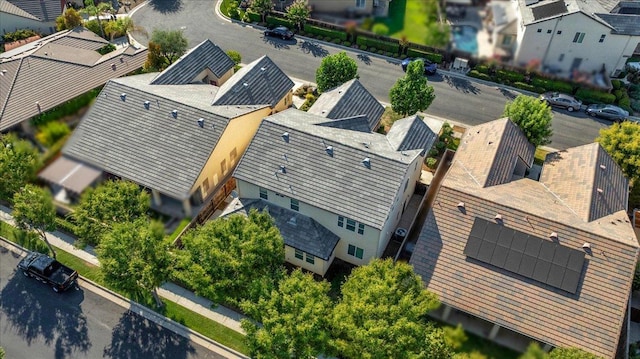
340,6
284,103
319,267
218,81
10,23
234,141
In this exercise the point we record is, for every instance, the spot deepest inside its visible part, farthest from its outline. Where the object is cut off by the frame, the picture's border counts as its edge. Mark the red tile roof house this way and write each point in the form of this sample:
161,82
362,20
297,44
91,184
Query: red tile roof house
549,260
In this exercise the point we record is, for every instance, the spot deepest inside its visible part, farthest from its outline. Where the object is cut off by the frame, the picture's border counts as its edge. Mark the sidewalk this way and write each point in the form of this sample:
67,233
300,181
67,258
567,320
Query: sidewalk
169,291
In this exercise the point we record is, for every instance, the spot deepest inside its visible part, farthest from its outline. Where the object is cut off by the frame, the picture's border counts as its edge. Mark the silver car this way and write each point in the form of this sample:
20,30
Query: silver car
607,112
561,100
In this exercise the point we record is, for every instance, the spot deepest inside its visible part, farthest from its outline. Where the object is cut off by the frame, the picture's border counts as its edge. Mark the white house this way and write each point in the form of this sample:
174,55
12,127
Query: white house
29,14
335,188
565,36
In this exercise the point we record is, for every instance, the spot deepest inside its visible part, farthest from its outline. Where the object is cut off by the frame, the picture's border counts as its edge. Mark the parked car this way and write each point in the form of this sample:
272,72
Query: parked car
49,271
280,31
607,112
430,68
561,100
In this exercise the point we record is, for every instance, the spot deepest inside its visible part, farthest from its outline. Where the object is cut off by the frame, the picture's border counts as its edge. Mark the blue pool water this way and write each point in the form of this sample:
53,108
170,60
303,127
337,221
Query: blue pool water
465,38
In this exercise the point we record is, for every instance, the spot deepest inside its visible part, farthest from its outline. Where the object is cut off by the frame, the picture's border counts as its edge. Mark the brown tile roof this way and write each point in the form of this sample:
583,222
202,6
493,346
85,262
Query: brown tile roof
591,318
48,72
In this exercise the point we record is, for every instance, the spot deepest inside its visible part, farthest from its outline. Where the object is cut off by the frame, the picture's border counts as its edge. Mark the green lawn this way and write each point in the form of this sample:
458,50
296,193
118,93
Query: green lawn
408,18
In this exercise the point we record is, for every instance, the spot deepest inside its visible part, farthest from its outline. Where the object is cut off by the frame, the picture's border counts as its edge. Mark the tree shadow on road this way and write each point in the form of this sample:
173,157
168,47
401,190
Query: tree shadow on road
278,43
313,48
35,315
364,58
507,93
462,85
137,337
166,6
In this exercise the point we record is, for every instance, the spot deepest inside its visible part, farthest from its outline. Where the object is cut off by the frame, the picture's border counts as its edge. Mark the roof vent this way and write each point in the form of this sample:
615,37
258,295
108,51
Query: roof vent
329,150
285,137
460,205
3,72
113,67
147,105
200,122
174,113
586,246
553,236
600,190
285,157
123,96
366,162
498,217
245,84
283,169
121,58
263,69
366,144
603,167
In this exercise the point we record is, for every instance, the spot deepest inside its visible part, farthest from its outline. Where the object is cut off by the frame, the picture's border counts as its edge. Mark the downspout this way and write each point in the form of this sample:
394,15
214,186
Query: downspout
553,34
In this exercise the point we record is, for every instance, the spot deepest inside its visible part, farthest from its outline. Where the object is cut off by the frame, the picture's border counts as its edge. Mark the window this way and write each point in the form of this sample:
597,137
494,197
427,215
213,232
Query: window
360,228
295,205
311,259
299,254
548,31
561,58
351,225
578,37
355,251
361,3
223,166
559,32
506,40
602,38
340,221
539,30
205,185
263,193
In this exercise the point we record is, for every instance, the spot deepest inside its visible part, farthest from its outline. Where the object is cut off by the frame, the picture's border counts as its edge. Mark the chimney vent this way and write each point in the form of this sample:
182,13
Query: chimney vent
113,67
201,122
600,190
498,217
174,113
285,137
329,151
123,96
603,167
366,162
147,105
121,58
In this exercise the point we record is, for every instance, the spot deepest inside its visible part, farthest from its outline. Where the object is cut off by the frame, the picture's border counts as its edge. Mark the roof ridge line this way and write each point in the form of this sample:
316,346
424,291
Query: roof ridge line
560,199
4,105
468,172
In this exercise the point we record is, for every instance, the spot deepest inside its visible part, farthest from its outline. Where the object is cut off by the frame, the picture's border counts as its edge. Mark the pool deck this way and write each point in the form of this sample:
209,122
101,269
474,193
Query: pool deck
473,18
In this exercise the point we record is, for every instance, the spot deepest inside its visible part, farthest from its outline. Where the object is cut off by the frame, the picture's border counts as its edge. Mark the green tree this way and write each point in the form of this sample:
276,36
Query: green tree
155,62
571,353
262,7
97,10
437,35
119,27
533,117
455,337
622,143
335,70
171,45
233,259
236,57
135,256
68,20
111,202
380,29
1,353
411,93
33,210
298,12
381,314
534,352
294,319
19,161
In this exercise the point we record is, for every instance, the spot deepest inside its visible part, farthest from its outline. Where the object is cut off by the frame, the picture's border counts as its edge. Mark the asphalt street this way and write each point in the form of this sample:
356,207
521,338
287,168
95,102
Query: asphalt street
35,322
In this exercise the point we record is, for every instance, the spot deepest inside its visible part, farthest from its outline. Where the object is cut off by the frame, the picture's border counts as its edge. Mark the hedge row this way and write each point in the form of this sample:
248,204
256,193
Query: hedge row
272,20
68,108
321,31
378,44
253,16
479,75
553,85
437,58
594,96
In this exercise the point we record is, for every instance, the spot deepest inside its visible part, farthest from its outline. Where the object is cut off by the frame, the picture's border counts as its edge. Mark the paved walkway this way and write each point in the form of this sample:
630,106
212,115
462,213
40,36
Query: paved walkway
169,291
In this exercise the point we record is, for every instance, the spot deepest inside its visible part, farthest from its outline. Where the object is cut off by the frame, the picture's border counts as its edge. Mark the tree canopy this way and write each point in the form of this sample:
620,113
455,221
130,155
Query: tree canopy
135,255
232,259
335,70
68,20
294,320
171,44
533,117
93,9
298,12
622,143
381,314
19,161
411,93
262,7
110,202
535,352
33,210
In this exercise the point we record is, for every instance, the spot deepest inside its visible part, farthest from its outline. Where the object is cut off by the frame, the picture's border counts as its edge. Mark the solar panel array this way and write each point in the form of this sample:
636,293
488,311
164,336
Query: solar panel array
532,257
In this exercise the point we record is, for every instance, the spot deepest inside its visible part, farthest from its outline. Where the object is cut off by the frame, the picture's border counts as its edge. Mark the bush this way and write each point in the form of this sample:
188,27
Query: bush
483,69
635,105
380,29
68,108
106,49
273,20
510,76
65,225
346,43
253,17
437,58
93,26
51,132
431,162
594,96
321,31
310,100
527,87
616,84
479,75
337,41
235,56
18,35
553,85
378,44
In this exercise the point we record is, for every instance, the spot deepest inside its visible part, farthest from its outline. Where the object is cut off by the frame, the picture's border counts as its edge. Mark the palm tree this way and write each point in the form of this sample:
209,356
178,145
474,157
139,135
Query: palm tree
91,9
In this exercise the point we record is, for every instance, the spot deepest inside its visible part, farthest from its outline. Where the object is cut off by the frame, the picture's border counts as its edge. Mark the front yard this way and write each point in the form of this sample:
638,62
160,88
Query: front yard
411,19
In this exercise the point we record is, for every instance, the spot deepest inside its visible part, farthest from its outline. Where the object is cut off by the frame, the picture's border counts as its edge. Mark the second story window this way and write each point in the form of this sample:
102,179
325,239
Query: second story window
295,205
360,228
340,221
360,4
351,225
263,193
602,38
579,36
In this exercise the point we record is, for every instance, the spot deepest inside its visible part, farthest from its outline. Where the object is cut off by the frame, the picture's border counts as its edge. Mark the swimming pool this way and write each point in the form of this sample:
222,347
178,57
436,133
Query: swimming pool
465,38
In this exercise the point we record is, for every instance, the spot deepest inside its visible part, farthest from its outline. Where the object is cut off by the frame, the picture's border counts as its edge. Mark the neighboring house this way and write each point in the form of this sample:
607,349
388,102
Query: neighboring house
502,24
549,260
335,189
566,36
38,15
347,8
41,75
173,133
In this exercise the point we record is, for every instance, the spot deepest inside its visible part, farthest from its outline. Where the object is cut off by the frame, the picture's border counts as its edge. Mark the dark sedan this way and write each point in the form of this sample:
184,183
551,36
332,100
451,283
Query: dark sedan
280,31
607,112
430,68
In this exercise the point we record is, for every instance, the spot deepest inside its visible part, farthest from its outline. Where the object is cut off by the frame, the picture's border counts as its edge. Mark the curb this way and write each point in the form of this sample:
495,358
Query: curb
141,310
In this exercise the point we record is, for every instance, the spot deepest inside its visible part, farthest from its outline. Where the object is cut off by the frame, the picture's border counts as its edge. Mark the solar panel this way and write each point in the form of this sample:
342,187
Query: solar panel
532,257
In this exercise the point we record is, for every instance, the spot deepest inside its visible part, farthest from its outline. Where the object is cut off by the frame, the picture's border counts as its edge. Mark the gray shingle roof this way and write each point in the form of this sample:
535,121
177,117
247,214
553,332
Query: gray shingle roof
358,123
297,230
204,55
348,100
622,24
43,10
411,133
32,76
339,183
9,8
258,83
148,146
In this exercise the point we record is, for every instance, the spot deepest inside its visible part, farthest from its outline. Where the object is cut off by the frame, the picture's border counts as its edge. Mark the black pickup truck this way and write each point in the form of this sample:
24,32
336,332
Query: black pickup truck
49,271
